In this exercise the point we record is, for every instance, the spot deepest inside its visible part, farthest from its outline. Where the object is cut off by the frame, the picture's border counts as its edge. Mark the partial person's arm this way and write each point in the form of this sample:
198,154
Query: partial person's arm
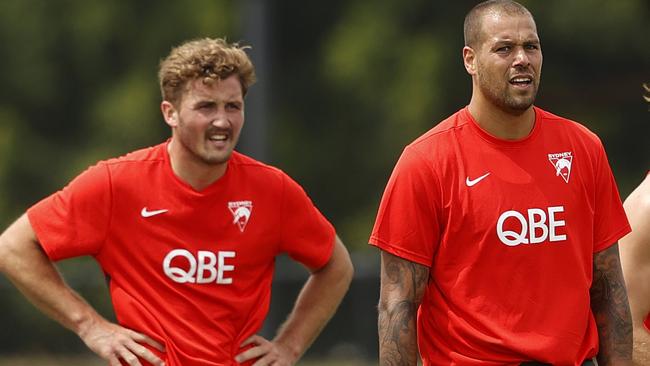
635,259
611,309
402,286
315,305
23,261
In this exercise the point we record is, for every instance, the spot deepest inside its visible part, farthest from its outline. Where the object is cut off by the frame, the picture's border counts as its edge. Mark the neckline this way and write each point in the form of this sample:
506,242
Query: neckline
502,142
214,186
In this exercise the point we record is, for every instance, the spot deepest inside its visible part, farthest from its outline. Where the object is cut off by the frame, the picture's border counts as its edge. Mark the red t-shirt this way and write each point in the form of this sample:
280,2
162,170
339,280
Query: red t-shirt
509,230
192,269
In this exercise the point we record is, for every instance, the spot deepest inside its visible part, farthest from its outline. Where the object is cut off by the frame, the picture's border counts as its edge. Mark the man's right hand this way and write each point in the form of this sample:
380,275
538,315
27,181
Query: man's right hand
114,343
23,261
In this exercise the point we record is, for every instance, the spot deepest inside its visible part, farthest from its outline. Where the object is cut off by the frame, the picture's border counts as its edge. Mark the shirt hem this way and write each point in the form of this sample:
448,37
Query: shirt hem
399,252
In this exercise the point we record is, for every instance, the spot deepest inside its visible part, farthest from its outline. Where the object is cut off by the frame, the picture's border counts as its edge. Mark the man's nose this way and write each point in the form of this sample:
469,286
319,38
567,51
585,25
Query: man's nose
219,119
520,58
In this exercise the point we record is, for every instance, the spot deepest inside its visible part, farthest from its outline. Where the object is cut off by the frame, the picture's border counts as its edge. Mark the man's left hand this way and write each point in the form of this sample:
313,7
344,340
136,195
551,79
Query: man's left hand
267,352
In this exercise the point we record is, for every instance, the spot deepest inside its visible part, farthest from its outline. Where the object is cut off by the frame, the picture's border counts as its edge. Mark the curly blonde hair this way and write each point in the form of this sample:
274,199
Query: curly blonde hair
207,58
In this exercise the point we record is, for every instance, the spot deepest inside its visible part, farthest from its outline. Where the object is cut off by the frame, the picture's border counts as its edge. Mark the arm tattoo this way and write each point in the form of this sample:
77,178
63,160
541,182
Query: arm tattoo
402,287
611,308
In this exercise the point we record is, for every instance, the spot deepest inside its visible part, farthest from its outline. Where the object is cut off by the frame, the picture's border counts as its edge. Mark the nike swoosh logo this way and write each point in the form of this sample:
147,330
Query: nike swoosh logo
471,182
147,213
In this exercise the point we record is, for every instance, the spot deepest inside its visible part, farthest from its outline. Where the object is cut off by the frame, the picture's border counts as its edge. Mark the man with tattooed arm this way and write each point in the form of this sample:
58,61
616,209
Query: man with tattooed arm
498,228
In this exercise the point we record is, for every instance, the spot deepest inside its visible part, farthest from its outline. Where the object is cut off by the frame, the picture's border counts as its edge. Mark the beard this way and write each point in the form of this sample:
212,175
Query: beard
500,94
200,149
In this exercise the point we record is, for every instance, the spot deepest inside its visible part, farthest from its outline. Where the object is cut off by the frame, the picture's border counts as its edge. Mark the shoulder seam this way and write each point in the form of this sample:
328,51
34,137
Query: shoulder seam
432,134
110,209
117,161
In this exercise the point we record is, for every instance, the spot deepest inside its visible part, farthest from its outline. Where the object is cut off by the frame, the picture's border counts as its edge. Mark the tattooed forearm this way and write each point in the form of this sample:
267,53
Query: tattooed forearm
402,287
611,309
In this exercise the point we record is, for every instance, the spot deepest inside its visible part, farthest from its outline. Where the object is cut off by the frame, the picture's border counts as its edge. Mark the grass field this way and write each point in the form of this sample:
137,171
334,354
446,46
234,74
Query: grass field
57,360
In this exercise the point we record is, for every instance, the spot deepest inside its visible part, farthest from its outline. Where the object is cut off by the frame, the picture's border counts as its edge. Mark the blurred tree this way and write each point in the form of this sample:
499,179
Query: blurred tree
350,83
356,81
80,84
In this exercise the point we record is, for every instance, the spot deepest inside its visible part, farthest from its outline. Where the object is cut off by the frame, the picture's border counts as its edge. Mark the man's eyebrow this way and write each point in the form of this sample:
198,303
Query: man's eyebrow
509,41
204,102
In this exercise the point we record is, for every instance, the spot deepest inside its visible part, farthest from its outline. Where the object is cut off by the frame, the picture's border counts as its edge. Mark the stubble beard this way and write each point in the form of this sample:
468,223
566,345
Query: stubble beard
503,98
207,159
203,154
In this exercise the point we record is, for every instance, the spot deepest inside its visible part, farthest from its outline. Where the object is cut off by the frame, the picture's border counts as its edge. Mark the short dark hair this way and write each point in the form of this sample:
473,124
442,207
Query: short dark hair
473,19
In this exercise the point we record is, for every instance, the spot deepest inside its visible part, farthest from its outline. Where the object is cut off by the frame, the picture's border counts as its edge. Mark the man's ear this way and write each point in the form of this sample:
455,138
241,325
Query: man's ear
169,112
469,60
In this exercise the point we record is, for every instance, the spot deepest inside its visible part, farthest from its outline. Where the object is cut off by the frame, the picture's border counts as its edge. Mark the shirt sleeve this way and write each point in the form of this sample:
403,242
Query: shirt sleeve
306,235
407,222
610,221
74,221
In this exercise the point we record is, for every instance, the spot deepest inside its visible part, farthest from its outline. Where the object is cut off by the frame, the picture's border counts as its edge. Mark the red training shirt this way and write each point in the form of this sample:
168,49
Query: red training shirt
192,269
509,230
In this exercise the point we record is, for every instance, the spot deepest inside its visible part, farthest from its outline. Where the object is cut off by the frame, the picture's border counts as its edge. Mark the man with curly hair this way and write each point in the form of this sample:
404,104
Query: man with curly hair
186,232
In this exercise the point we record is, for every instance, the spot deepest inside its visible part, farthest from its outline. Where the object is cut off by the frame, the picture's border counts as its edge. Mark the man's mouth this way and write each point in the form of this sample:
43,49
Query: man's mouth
521,80
218,137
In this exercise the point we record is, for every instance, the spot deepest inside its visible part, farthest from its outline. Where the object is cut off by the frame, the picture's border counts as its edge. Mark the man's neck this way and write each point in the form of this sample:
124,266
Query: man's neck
191,170
502,124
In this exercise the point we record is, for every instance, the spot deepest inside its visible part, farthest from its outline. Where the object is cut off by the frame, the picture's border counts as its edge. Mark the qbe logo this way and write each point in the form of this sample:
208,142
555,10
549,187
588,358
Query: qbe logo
181,266
535,227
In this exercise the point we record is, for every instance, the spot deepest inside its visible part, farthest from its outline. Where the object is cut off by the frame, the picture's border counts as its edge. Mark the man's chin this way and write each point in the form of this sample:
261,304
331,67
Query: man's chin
519,106
217,159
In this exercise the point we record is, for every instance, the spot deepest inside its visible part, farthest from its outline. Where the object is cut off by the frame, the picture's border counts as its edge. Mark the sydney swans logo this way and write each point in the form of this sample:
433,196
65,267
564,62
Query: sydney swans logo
241,213
562,163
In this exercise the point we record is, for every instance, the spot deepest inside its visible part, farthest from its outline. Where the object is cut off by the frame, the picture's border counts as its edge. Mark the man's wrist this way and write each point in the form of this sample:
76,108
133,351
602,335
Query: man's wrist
293,349
82,322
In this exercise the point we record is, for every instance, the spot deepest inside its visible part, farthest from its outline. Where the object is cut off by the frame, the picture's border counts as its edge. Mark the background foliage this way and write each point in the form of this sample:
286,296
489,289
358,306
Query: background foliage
344,85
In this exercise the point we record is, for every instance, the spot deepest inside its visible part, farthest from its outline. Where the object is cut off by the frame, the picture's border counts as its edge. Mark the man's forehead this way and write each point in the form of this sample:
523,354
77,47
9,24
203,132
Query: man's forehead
229,88
497,27
521,37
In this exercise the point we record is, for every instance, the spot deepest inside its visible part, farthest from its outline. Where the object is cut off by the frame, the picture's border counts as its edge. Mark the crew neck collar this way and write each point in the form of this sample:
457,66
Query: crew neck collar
502,142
